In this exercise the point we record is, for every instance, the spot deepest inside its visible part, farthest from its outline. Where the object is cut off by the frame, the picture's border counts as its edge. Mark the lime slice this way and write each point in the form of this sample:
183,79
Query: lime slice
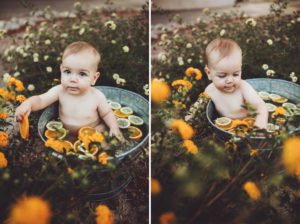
296,111
271,107
274,96
123,123
280,100
135,120
223,121
126,110
114,105
108,101
289,106
54,125
271,127
264,95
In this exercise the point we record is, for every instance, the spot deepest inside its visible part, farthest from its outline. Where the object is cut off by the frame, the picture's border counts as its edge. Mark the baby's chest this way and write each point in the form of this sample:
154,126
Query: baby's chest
229,104
83,108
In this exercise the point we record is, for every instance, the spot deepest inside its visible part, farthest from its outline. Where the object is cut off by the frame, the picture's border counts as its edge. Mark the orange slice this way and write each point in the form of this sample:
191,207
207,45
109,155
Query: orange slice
56,134
250,121
67,146
118,113
280,100
86,131
76,145
94,149
24,127
135,133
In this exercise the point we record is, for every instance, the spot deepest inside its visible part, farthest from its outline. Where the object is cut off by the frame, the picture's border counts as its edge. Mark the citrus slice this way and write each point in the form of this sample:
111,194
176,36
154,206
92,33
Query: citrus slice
274,96
264,95
54,125
123,123
68,146
280,100
271,127
86,131
118,113
114,105
223,122
135,133
24,127
289,106
126,110
135,120
77,144
61,134
280,120
250,121
108,101
271,107
94,149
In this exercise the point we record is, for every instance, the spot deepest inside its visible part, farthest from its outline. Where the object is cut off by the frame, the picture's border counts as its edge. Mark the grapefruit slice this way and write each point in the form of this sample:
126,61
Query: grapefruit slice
24,127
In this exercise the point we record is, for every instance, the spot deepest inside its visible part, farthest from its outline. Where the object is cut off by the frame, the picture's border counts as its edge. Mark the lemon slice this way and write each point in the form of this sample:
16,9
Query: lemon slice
114,105
126,110
223,121
135,133
118,113
296,111
289,106
274,96
135,120
123,123
280,100
271,107
271,127
54,125
108,101
264,95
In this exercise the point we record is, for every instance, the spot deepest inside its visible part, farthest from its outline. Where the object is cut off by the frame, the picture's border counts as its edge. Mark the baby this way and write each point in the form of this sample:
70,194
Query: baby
227,90
79,103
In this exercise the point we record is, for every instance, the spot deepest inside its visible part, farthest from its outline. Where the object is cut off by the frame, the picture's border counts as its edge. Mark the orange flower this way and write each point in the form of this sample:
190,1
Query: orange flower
102,158
3,139
155,186
180,83
3,160
167,218
193,71
160,91
3,115
178,104
190,146
291,155
15,82
20,98
70,170
30,210
186,131
280,111
205,95
252,190
7,95
104,215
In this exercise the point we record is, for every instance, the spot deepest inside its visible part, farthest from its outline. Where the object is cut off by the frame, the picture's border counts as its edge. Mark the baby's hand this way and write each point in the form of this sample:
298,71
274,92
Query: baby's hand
24,108
116,132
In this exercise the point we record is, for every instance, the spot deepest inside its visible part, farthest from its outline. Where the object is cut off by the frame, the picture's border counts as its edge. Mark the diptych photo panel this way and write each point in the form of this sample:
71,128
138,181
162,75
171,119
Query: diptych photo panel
139,111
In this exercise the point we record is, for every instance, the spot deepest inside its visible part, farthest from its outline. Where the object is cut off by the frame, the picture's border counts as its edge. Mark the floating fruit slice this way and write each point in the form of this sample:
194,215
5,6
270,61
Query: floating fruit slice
250,121
296,111
280,100
54,125
94,149
280,120
135,120
274,96
289,106
118,113
135,133
271,107
86,131
24,127
123,123
271,127
108,101
77,144
264,95
126,110
61,134
68,146
222,122
114,105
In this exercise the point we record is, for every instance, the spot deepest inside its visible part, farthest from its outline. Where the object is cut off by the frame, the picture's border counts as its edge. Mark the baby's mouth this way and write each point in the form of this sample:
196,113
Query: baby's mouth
73,88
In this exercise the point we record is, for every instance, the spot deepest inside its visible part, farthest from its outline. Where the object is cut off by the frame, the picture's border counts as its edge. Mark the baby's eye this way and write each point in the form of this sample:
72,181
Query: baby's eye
221,75
82,74
67,71
236,74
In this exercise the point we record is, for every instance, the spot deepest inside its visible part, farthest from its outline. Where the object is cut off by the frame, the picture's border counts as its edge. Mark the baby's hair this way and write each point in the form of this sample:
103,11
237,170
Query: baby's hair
80,46
222,46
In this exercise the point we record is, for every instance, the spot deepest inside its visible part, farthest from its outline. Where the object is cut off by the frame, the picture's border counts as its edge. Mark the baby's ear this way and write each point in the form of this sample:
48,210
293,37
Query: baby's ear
95,77
207,71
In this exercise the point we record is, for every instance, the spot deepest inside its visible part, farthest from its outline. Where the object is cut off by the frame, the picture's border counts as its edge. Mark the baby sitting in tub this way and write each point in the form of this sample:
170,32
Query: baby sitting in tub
227,90
79,103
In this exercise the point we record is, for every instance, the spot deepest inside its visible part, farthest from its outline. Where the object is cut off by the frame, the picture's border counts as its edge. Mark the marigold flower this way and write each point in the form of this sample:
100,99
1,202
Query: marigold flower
3,139
104,215
15,82
3,115
167,218
178,104
291,155
160,91
3,160
7,95
155,186
180,83
205,95
280,111
190,146
102,158
30,210
193,71
186,131
253,152
70,170
252,190
20,98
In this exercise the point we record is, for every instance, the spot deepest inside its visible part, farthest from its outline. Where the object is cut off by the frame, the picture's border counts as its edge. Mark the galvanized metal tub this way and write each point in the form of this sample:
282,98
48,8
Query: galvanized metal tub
282,87
138,103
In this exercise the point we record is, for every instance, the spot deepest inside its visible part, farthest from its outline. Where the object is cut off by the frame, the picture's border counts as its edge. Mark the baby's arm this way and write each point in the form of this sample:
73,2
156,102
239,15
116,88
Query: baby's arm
251,97
38,102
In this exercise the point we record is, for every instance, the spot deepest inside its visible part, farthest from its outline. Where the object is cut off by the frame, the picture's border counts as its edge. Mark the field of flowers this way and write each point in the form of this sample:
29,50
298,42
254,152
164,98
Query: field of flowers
197,178
37,187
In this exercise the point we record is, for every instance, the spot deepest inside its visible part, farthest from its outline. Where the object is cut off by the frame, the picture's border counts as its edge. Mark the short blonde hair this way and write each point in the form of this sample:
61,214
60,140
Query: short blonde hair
80,46
222,46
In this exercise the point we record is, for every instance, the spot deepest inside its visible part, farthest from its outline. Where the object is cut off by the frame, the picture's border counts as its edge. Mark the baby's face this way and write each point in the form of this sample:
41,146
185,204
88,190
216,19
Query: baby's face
78,72
226,73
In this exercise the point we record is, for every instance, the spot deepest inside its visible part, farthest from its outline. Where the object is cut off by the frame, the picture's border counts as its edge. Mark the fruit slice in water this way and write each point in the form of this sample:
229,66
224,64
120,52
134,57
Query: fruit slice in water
274,96
115,105
123,123
118,113
24,127
94,149
126,110
289,106
264,95
250,121
223,121
54,125
271,127
280,100
61,134
135,133
86,131
135,120
271,107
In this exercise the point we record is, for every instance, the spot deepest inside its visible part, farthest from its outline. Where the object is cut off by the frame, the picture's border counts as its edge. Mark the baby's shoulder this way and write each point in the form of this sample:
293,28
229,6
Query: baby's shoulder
210,89
98,94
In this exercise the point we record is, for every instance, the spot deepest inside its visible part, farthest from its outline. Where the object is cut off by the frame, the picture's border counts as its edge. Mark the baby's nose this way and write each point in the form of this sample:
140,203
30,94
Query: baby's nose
73,78
229,79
